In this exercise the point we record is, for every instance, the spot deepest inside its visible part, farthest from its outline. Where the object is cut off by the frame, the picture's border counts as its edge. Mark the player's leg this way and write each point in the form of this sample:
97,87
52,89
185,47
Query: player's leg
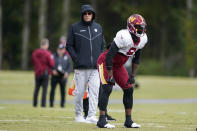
103,102
80,77
128,104
121,77
108,117
104,97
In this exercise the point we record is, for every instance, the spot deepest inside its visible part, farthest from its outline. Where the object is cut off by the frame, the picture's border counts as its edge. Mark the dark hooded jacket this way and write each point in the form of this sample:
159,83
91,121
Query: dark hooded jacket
85,42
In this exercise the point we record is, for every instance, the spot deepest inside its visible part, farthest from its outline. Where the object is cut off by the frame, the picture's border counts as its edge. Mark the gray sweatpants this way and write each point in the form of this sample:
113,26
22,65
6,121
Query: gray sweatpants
82,77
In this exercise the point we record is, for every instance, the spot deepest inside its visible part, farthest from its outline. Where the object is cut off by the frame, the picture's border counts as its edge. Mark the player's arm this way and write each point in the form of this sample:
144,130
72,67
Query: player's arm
135,63
109,57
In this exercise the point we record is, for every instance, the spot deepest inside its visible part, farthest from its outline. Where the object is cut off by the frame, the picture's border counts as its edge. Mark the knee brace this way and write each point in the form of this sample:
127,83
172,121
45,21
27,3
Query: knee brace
128,98
104,96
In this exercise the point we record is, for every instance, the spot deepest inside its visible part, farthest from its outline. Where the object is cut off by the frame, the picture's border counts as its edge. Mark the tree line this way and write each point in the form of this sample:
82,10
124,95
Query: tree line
171,29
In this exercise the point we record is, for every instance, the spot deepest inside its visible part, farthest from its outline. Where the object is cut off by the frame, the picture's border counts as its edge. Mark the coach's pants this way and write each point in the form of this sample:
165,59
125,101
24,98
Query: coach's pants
82,77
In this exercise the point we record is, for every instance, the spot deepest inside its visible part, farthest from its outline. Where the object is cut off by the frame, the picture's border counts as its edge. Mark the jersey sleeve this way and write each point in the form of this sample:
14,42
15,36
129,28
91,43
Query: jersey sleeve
120,39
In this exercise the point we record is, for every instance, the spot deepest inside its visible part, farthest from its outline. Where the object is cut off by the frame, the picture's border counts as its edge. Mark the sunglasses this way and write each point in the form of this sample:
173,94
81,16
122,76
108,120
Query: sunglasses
87,13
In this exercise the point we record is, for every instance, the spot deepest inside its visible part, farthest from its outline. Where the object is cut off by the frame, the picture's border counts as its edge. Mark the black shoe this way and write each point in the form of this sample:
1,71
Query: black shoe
131,124
85,116
109,118
103,124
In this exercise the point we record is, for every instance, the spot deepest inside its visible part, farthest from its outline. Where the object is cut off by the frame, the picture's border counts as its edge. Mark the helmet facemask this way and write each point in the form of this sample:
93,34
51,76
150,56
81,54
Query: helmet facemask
139,30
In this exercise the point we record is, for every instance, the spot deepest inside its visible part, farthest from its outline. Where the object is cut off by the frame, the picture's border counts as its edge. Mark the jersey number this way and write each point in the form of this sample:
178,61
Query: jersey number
131,51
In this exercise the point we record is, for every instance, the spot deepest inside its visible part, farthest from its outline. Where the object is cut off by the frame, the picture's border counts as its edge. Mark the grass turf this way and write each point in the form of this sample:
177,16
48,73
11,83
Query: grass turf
18,85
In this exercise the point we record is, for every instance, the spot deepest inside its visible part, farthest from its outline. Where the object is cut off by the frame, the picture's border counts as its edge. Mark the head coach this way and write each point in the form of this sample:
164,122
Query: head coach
85,43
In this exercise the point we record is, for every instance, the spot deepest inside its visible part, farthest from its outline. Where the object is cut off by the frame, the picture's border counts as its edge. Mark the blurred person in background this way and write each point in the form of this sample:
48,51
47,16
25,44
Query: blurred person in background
60,74
85,43
63,41
43,62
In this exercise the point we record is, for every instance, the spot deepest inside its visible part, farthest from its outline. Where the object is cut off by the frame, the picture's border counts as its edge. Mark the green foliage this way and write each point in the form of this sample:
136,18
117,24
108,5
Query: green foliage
171,35
191,42
155,67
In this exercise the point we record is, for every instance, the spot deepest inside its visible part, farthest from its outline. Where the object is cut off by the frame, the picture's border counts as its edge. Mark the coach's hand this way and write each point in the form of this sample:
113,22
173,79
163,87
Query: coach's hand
131,80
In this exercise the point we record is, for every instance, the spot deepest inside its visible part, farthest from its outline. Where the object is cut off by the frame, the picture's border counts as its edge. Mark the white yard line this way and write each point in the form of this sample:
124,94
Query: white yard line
62,117
59,109
160,126
14,120
1,107
182,113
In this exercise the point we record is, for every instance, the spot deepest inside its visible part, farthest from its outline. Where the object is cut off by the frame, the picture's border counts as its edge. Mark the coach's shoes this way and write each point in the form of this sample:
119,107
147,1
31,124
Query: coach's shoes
131,124
80,119
91,119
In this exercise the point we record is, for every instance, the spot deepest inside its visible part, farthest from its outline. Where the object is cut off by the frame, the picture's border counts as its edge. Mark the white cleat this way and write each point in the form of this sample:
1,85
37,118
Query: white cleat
80,119
109,126
91,119
135,125
132,125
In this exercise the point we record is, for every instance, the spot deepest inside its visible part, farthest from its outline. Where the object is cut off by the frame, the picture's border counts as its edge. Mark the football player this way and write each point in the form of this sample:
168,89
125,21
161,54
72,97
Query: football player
128,42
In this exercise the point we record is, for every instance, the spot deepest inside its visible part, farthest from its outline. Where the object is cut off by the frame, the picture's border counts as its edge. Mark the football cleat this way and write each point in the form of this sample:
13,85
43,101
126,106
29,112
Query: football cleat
104,125
109,118
131,124
109,126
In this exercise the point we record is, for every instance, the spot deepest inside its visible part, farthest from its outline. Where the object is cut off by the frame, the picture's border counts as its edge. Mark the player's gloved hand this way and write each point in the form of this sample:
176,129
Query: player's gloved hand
131,80
111,81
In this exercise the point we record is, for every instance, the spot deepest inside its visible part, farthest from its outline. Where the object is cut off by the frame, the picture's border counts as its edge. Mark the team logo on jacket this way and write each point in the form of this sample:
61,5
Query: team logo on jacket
82,30
95,30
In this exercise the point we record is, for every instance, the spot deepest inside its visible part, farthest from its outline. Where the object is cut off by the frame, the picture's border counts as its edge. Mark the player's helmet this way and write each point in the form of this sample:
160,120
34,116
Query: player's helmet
136,25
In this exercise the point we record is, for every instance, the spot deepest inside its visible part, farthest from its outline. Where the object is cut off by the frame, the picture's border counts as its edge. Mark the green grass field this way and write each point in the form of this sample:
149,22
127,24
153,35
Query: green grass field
19,86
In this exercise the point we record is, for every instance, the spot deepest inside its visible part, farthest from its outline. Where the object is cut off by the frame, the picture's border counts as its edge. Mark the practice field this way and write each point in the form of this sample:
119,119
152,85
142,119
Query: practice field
161,104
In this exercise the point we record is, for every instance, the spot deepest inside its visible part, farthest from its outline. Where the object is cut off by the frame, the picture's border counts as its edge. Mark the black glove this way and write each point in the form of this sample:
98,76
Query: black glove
111,81
131,80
